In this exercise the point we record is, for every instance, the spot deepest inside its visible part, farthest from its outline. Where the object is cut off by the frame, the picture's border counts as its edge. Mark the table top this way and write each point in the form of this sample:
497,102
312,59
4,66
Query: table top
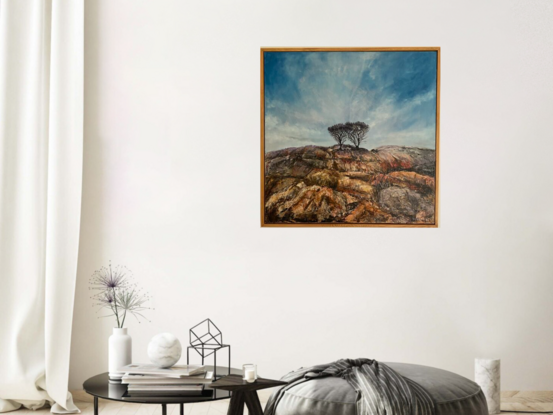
99,386
237,383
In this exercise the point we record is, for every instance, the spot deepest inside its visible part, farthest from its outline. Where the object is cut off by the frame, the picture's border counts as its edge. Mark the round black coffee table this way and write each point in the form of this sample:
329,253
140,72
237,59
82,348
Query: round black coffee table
99,387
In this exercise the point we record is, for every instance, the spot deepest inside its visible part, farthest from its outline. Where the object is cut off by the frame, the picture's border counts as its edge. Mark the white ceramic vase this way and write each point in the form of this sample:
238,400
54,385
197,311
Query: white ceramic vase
120,352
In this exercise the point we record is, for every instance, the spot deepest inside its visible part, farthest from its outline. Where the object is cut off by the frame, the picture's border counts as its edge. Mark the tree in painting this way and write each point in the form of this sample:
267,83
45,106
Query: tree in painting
339,133
320,167
357,132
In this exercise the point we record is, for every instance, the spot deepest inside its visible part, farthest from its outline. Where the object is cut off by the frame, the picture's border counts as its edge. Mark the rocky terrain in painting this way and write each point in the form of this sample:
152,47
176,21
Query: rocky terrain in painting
389,184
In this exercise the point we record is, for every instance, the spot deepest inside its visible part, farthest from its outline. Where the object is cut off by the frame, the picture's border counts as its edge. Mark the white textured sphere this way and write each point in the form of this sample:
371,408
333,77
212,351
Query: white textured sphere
164,350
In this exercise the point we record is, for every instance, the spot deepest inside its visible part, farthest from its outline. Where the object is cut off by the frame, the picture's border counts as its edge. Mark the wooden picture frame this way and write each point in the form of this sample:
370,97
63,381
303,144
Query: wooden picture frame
404,180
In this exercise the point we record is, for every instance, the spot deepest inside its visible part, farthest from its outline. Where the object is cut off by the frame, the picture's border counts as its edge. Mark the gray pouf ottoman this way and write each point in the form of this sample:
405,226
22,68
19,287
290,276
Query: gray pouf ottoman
452,394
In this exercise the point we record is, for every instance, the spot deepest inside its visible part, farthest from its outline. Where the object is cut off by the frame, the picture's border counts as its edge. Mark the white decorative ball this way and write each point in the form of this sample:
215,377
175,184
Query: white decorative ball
164,350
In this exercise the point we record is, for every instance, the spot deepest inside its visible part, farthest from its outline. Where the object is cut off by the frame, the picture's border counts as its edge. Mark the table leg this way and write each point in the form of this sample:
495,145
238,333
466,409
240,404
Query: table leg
181,409
236,405
95,405
252,401
163,409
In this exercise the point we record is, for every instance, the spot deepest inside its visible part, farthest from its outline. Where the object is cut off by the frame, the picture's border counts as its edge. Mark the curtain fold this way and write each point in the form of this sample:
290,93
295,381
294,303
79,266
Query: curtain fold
41,142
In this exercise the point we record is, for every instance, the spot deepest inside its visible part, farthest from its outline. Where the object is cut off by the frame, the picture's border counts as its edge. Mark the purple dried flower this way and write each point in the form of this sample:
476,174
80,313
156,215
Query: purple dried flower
117,293
109,278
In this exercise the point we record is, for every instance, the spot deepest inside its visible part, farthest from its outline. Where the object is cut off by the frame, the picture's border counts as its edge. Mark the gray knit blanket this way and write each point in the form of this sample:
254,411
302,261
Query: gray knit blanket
380,389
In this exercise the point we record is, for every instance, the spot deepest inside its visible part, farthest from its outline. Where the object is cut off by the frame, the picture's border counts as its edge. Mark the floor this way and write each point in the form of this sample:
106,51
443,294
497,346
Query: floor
512,401
85,404
527,401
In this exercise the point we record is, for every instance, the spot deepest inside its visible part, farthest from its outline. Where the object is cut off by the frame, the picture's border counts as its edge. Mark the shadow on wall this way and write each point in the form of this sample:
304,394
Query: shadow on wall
91,212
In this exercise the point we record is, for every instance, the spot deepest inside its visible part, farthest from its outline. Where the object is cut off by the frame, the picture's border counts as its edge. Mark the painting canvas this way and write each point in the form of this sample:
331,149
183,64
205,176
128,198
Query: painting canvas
349,137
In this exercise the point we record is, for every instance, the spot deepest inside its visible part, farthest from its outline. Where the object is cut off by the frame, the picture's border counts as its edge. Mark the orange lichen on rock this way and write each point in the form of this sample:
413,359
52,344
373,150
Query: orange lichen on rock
313,184
368,212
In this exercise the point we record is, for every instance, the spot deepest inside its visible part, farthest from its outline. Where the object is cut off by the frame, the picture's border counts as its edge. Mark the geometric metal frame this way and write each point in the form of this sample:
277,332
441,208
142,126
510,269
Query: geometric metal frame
212,338
206,339
214,353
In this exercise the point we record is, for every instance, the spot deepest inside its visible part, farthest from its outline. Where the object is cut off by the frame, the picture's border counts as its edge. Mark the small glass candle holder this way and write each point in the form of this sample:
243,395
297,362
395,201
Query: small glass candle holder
250,372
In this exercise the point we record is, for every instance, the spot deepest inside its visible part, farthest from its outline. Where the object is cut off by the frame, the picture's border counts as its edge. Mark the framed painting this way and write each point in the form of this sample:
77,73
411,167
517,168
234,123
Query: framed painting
350,136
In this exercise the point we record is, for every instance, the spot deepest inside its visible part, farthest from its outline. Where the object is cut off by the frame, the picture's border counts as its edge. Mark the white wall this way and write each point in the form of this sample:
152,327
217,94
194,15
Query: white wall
171,189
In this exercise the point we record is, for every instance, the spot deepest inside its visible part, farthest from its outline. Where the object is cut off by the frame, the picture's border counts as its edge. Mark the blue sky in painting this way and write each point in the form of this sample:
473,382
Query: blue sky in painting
393,92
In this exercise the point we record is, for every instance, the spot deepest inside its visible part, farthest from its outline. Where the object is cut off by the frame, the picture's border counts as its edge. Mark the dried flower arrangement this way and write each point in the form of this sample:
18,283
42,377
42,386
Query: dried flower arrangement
118,293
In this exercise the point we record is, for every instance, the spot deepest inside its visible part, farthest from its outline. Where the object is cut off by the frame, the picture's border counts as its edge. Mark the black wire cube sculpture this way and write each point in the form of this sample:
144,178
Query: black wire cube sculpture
206,339
206,334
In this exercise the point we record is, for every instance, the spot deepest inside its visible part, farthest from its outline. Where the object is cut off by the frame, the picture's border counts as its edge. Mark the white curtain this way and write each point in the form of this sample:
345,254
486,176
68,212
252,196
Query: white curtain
41,140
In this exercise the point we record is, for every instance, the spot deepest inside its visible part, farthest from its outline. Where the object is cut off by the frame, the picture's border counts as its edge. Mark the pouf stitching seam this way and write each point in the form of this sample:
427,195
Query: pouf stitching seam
350,403
459,399
320,400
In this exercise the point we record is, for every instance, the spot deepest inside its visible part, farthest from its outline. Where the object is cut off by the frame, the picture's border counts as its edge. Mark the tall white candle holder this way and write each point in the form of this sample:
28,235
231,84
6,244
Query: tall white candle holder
250,372
487,374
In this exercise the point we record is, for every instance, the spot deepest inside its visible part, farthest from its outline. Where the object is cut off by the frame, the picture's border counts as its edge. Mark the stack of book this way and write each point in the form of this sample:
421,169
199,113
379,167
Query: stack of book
151,381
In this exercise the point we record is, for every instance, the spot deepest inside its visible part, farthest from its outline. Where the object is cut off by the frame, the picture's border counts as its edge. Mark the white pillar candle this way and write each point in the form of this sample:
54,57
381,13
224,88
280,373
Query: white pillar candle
249,375
487,373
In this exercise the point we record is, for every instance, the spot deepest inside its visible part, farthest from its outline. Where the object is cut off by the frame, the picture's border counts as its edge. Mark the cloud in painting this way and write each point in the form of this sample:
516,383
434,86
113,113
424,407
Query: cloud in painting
393,92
